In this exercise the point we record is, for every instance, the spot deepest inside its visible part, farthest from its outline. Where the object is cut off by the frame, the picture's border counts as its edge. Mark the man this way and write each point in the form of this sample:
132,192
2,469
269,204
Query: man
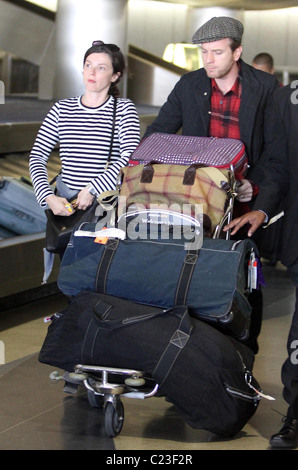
282,179
227,98
264,61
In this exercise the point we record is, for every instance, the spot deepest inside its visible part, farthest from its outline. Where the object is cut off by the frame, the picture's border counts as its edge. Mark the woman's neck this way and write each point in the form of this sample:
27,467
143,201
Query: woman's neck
93,100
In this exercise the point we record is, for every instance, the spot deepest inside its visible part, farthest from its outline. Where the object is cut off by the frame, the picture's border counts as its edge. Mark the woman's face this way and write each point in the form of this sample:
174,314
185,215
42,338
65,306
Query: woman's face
98,72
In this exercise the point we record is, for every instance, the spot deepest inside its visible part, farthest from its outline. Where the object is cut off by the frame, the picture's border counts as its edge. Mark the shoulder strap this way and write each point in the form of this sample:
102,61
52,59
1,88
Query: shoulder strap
113,132
174,347
104,265
216,175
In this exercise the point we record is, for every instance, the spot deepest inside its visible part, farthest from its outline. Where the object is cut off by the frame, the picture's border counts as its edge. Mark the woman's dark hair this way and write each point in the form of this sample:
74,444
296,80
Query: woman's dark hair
117,59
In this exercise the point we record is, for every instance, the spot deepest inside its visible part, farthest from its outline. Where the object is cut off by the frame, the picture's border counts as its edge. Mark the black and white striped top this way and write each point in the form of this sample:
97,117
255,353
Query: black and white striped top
84,137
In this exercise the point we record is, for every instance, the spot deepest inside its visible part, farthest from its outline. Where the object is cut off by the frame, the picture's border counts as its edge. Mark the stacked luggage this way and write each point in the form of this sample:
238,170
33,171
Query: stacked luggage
156,302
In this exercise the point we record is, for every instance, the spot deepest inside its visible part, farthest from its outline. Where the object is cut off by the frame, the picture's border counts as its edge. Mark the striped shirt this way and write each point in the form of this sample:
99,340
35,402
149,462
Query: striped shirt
84,137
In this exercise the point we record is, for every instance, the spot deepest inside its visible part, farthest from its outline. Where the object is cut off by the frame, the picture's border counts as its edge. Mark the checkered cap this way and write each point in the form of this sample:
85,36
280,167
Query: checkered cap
219,28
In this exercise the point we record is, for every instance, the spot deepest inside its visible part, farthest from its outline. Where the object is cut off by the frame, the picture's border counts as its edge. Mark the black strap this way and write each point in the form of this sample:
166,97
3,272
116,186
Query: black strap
113,132
104,265
174,348
171,352
186,273
55,177
107,319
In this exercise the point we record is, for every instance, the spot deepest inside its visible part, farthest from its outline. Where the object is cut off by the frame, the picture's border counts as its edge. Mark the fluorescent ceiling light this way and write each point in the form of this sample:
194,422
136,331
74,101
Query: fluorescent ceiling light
49,4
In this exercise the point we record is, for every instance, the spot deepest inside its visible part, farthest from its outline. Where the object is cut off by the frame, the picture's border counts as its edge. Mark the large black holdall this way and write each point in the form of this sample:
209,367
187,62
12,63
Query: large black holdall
206,374
211,280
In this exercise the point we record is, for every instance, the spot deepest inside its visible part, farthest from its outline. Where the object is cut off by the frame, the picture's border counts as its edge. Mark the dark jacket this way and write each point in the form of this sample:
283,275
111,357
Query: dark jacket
188,107
282,174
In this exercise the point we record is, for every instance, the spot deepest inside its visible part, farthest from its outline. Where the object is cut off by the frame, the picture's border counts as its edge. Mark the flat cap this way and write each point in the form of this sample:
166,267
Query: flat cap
219,28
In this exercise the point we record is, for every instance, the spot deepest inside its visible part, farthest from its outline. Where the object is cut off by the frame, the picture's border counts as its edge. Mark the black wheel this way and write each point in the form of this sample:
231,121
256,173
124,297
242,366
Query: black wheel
96,401
114,418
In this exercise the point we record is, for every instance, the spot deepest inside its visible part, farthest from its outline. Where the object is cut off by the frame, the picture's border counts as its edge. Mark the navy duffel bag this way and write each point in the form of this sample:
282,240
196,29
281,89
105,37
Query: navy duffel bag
211,281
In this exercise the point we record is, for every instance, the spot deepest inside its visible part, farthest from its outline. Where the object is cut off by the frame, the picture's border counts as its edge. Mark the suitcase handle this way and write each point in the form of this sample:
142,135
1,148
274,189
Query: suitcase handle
189,175
214,173
102,310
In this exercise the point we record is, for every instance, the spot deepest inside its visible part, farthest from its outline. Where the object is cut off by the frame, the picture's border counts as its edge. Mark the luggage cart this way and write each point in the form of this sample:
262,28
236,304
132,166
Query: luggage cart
130,383
102,392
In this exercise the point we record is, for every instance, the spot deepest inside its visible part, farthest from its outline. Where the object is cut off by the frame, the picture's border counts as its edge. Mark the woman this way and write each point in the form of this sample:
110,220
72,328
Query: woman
83,127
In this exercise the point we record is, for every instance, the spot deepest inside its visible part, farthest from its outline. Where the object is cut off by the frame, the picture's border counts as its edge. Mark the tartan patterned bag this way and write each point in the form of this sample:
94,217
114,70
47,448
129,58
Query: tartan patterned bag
172,187
186,150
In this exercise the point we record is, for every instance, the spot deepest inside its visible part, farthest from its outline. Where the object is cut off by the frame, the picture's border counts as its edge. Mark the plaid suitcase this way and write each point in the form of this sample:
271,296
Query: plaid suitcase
187,150
201,191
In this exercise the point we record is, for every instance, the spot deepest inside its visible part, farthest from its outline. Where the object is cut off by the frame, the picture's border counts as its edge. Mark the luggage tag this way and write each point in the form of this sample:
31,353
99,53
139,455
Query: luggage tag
252,272
248,379
102,236
102,239
255,275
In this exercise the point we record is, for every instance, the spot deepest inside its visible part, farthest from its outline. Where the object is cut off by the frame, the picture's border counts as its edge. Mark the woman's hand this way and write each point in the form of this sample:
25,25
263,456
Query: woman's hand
59,205
84,199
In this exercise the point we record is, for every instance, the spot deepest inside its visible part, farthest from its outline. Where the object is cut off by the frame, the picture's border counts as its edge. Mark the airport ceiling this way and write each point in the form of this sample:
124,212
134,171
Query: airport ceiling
239,4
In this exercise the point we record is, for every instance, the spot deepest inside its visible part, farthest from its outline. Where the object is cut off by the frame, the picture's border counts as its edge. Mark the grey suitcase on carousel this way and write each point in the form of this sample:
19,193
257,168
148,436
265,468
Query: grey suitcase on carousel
19,210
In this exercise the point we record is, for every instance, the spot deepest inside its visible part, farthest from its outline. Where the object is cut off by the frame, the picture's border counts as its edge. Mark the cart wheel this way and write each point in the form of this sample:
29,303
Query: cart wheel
55,376
96,401
134,381
114,418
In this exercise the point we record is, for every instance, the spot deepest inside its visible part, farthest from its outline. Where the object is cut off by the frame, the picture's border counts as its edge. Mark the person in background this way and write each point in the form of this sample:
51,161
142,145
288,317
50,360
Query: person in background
229,99
82,126
281,181
269,244
264,61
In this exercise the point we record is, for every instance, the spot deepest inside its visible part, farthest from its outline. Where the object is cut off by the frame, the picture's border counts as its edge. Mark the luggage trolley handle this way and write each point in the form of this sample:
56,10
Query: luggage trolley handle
232,191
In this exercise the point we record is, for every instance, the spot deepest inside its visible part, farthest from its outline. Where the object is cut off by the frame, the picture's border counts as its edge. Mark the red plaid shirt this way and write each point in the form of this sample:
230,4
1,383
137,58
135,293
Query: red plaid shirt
224,120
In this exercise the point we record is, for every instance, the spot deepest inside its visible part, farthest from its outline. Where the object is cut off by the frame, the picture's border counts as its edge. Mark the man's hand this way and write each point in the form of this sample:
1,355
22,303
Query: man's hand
254,218
245,191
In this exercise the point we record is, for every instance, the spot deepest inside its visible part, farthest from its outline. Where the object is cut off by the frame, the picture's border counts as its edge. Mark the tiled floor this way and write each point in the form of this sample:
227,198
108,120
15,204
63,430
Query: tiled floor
37,414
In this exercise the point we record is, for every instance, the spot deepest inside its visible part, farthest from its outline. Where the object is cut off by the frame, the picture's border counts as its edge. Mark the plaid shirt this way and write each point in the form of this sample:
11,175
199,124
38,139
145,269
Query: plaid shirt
224,121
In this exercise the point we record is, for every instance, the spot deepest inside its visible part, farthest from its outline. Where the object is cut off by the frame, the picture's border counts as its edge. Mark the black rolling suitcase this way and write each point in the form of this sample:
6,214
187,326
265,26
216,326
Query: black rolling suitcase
206,374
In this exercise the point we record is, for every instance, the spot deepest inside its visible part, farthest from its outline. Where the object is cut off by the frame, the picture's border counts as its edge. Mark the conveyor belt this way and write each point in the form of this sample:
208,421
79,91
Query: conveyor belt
16,165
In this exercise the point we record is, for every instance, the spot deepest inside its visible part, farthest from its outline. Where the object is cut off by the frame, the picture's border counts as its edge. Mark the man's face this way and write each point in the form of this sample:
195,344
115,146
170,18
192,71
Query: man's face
218,57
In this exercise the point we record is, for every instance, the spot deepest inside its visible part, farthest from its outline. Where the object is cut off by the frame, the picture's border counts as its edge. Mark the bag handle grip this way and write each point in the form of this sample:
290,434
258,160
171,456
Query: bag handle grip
189,176
102,309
